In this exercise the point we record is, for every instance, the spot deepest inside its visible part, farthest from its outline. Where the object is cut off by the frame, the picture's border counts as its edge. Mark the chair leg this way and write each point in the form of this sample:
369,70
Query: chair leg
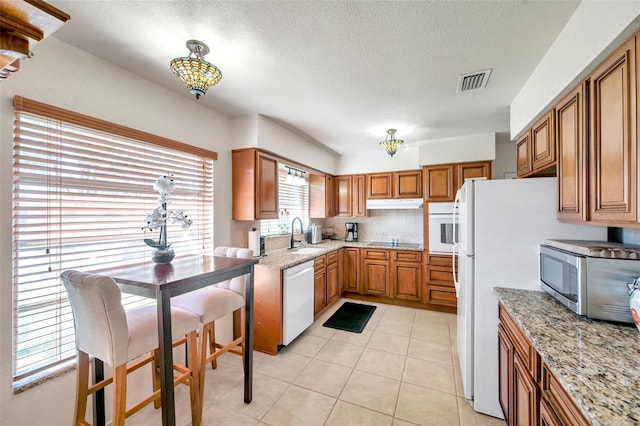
242,324
196,390
119,394
212,343
82,387
204,351
155,376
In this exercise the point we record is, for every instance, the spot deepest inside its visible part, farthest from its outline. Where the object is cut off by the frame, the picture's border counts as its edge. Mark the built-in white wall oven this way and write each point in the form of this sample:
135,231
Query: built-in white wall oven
441,228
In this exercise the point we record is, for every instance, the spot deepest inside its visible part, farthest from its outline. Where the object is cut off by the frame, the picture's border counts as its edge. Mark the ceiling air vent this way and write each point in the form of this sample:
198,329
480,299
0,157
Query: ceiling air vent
473,81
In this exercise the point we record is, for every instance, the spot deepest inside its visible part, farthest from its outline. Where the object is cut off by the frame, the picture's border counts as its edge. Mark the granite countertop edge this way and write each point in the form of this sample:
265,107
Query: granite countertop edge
596,362
287,258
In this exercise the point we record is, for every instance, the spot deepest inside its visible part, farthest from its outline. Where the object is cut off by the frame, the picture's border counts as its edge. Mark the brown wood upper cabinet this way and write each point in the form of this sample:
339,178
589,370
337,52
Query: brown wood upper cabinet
359,194
440,182
613,163
536,149
23,25
322,199
254,185
344,196
405,184
523,150
443,180
570,137
543,145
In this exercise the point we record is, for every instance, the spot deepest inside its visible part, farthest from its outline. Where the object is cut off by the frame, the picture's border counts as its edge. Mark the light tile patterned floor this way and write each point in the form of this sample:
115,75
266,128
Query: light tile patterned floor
401,370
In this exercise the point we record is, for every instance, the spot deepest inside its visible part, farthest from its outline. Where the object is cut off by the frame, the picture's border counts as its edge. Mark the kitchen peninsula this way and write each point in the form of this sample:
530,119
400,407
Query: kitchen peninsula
588,371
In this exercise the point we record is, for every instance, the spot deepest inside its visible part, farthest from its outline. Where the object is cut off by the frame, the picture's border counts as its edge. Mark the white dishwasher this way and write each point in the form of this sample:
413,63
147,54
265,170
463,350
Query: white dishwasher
297,301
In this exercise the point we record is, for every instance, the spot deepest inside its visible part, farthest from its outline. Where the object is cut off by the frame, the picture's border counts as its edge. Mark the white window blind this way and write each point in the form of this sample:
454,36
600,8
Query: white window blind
293,201
80,196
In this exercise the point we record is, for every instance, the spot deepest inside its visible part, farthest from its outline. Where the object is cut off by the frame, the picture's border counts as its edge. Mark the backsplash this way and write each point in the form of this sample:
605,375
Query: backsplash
382,225
630,236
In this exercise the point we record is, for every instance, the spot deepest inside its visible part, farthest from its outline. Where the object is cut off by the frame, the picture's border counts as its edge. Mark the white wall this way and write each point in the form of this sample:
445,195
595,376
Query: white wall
255,130
66,77
595,30
506,157
458,149
379,161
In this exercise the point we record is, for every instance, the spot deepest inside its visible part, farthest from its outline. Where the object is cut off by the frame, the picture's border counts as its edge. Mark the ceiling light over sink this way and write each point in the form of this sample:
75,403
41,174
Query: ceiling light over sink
390,144
194,71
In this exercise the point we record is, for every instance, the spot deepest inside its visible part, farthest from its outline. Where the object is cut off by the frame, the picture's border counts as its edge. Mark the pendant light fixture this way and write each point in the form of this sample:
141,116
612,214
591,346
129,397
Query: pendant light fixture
390,144
194,71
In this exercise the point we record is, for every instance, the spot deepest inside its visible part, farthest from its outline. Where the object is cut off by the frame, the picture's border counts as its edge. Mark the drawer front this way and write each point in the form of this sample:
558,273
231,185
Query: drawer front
319,263
439,260
332,257
440,275
375,254
441,296
407,256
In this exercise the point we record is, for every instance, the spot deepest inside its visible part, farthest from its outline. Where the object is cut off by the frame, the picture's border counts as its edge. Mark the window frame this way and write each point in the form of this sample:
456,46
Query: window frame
151,145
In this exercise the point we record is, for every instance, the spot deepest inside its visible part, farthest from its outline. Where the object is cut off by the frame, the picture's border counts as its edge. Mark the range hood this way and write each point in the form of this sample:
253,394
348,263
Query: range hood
391,204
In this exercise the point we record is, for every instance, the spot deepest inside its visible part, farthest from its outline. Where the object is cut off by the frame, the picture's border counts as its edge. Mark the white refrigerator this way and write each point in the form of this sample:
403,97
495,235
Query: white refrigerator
501,224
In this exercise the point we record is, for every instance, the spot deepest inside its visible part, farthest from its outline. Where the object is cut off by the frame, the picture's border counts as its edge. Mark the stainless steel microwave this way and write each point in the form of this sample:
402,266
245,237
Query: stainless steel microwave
595,287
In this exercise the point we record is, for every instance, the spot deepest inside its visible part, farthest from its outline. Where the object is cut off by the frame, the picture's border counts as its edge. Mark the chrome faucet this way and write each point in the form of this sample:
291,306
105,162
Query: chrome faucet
292,244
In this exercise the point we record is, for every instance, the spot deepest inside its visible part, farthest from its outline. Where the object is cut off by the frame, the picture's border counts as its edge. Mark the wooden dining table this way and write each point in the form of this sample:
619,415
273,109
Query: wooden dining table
162,282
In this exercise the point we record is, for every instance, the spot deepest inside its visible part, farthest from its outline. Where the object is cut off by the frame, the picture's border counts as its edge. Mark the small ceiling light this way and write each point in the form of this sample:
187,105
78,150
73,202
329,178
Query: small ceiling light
194,71
390,144
289,177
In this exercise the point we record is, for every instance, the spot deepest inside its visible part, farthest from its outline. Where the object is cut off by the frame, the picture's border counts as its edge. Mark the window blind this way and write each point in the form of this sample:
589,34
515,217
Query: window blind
80,197
292,199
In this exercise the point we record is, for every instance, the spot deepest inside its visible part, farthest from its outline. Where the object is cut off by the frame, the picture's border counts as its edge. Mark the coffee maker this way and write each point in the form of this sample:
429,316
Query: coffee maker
351,231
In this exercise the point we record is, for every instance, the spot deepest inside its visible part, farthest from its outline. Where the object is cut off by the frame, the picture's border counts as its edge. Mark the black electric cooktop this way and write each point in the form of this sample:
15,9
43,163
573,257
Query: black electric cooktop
389,244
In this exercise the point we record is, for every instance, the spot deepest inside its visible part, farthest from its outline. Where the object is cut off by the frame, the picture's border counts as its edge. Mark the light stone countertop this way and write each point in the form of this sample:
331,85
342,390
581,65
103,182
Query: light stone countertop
597,362
286,258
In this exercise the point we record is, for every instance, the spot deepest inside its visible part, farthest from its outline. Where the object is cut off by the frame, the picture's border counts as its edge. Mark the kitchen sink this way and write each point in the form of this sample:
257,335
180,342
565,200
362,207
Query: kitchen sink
307,250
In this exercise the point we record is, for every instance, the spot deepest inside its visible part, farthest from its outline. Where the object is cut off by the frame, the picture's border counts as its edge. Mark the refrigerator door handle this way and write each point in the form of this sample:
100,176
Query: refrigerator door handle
454,221
453,264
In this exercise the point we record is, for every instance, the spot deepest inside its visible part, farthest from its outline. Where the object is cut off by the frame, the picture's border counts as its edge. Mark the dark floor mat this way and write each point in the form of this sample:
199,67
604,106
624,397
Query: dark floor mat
351,317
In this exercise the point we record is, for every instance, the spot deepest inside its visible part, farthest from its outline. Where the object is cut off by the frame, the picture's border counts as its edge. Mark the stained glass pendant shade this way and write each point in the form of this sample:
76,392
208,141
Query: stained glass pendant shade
390,144
194,71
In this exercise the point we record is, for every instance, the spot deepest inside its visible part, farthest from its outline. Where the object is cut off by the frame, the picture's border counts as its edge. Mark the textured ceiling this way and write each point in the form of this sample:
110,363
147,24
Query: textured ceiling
338,72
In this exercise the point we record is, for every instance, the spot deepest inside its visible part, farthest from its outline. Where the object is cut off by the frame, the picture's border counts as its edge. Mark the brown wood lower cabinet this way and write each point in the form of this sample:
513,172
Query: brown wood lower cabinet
547,415
325,282
407,275
376,272
319,285
525,394
558,401
529,393
349,259
333,279
267,299
439,287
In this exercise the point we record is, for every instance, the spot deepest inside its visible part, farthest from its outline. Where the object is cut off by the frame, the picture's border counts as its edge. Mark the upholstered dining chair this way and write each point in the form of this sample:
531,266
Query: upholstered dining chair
126,340
212,303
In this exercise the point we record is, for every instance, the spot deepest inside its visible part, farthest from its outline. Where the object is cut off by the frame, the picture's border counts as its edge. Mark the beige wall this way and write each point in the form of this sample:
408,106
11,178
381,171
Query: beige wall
69,78
594,30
